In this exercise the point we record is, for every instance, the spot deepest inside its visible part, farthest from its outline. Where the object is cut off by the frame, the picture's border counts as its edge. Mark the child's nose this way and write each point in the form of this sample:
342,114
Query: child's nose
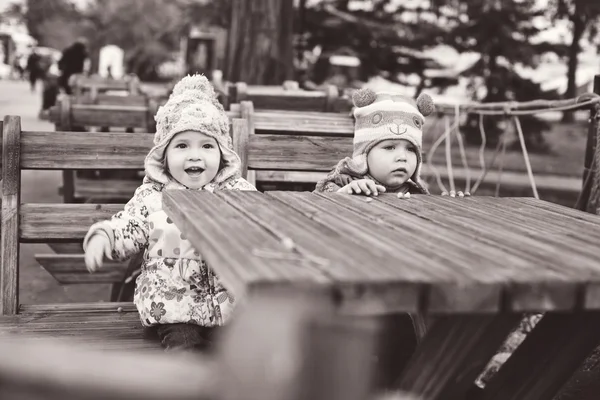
401,154
194,155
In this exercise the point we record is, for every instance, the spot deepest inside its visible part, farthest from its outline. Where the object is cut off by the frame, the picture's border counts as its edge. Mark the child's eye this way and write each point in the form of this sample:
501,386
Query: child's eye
181,146
391,147
208,146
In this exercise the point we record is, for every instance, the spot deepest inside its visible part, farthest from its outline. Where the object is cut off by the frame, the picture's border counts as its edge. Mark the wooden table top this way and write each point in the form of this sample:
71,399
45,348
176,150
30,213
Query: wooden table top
427,253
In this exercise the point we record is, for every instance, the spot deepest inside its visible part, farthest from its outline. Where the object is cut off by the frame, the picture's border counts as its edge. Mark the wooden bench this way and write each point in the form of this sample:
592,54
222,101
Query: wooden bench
288,97
131,113
103,325
96,84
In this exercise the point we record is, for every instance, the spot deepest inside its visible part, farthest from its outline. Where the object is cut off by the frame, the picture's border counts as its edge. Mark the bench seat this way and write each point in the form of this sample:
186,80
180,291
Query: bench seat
104,326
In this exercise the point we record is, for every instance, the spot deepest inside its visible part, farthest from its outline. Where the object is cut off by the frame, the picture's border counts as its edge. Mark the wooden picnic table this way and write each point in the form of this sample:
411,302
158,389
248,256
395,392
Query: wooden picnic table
473,264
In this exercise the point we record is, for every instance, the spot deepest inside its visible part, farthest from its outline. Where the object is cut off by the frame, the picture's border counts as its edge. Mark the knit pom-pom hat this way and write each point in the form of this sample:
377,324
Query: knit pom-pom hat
384,116
192,106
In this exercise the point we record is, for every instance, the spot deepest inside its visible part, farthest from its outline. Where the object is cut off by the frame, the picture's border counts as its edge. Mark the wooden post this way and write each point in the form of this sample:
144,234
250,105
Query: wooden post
11,200
589,198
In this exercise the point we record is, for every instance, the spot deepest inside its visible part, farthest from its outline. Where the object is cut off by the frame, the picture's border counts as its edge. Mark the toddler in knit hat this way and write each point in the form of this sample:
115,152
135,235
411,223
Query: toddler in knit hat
176,293
388,138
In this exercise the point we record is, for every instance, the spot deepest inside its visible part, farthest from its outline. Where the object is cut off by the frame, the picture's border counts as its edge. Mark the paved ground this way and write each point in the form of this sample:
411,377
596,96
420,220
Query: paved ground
35,284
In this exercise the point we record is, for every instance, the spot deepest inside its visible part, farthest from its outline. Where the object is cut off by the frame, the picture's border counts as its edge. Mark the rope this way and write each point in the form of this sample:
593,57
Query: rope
463,154
526,156
433,149
501,169
510,108
482,154
449,155
523,108
486,169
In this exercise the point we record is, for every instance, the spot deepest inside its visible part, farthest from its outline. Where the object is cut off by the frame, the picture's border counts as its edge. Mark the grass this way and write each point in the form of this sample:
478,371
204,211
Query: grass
567,142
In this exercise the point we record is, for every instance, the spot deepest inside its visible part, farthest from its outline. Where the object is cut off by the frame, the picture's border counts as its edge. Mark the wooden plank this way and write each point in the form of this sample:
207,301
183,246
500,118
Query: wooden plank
32,370
453,353
424,269
102,190
11,193
240,142
540,282
114,100
290,176
375,275
304,101
310,124
74,308
61,222
561,210
70,269
290,153
82,150
258,258
469,289
537,221
547,358
109,115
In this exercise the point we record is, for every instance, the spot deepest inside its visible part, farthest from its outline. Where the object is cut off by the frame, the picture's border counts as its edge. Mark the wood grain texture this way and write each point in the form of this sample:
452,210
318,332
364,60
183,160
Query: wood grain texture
301,153
99,190
11,194
89,324
214,233
447,255
83,150
306,123
61,222
547,358
85,308
371,270
538,277
113,100
70,269
109,115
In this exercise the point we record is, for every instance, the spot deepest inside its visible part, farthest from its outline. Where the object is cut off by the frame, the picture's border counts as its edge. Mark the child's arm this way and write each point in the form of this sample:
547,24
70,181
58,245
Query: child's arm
127,230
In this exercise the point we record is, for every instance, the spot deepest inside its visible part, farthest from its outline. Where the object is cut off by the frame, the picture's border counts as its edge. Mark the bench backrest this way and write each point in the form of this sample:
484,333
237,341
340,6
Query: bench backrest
98,84
284,98
71,112
271,136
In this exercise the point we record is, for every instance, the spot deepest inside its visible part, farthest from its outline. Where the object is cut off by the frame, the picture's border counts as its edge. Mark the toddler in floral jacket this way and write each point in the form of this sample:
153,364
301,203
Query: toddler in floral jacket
176,294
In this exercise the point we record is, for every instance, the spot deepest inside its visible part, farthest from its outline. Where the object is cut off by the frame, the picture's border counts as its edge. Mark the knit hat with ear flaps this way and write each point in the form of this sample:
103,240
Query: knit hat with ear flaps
385,116
192,106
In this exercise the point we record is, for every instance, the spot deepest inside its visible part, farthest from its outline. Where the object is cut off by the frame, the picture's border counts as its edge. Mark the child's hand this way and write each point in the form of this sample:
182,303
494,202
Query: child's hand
363,186
459,194
97,248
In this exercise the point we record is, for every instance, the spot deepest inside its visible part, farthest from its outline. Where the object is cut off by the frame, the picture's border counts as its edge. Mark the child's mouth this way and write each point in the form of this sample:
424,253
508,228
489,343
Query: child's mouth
403,170
194,171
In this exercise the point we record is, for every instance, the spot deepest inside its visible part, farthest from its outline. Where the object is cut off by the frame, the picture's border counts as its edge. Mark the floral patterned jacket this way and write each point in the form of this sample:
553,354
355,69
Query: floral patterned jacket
175,284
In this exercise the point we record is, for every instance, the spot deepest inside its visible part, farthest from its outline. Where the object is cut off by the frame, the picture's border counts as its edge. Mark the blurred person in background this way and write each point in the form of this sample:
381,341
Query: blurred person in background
73,61
34,68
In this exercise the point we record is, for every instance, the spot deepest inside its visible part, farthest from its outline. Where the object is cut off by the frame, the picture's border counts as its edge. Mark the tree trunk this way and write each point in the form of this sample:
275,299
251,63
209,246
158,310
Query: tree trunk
260,43
579,23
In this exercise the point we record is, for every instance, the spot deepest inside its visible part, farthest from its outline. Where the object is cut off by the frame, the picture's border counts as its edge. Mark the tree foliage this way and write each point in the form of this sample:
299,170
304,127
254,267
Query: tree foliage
583,16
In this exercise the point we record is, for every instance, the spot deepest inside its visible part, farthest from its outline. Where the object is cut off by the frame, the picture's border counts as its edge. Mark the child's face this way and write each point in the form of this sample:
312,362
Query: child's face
392,162
193,159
